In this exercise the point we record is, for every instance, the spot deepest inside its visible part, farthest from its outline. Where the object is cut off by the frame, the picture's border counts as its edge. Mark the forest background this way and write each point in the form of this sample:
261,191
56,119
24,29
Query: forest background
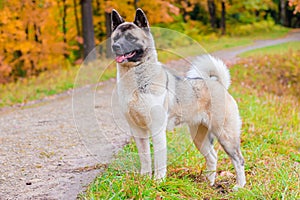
43,35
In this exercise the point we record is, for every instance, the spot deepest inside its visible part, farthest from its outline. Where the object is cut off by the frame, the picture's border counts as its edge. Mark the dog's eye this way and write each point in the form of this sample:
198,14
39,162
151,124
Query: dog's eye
116,38
130,37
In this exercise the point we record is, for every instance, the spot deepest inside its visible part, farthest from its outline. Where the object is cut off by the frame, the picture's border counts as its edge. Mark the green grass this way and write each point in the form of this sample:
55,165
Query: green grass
275,49
269,144
46,84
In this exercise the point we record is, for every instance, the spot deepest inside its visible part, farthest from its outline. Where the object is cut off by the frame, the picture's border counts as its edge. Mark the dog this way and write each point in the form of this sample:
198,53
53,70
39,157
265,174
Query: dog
153,99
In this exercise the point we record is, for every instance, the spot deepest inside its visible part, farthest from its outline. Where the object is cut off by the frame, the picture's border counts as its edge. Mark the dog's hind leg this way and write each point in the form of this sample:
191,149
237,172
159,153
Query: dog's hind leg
204,143
231,145
142,141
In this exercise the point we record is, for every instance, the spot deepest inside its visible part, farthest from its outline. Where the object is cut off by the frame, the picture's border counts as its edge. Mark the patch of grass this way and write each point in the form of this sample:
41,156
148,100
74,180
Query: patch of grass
226,42
269,145
46,84
233,40
271,50
262,29
271,73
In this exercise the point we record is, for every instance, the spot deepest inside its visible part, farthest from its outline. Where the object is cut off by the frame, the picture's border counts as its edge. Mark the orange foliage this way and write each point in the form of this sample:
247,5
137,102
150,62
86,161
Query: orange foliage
295,3
29,41
156,11
34,39
159,11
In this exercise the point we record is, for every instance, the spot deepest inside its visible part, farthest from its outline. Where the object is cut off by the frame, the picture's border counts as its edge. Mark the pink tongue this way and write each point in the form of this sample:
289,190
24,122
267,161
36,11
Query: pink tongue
120,59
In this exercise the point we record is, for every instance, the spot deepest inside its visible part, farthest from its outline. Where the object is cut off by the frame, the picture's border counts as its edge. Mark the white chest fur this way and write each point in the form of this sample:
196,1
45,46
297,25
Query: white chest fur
139,96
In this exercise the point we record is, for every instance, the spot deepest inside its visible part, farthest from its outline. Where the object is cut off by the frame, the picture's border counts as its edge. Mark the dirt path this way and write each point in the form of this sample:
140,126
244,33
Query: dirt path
231,54
43,157
41,154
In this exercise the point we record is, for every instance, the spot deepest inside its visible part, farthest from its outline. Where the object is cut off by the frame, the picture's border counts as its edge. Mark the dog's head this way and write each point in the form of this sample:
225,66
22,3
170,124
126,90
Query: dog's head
131,41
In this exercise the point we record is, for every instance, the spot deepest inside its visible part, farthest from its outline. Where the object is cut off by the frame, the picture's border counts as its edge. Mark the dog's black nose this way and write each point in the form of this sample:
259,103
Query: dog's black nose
116,47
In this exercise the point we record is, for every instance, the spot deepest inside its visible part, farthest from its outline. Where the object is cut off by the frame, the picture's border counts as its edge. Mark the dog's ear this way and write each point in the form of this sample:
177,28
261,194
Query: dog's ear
141,20
116,19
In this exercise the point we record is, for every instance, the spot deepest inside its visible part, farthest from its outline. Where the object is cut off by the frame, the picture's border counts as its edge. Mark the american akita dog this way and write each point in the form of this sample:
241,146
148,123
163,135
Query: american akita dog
153,99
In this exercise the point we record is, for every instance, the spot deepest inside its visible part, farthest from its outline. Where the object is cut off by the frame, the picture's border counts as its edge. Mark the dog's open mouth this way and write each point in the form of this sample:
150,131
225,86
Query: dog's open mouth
122,58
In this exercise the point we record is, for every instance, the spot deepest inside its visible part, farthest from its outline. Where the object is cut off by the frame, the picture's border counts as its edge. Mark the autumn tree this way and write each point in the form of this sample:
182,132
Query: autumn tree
283,8
223,17
88,29
30,43
289,15
212,13
295,3
186,7
43,35
108,33
157,11
63,14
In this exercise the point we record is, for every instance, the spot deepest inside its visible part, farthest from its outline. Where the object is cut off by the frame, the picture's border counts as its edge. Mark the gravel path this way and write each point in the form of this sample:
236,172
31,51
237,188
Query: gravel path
42,156
41,153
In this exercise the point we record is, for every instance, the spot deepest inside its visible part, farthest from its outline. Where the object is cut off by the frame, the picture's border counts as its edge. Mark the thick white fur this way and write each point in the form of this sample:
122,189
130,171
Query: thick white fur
151,96
153,106
207,66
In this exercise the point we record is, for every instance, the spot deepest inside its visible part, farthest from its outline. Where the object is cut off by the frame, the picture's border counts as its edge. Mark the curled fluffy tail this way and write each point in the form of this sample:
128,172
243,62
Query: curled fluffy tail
209,67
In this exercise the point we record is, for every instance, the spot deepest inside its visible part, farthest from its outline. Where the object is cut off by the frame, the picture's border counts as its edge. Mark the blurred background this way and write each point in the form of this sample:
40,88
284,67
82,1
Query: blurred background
38,36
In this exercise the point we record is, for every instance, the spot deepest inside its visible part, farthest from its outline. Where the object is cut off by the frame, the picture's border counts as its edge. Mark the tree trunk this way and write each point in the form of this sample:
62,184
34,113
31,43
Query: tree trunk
283,19
108,34
88,30
78,30
64,27
212,12
223,18
76,18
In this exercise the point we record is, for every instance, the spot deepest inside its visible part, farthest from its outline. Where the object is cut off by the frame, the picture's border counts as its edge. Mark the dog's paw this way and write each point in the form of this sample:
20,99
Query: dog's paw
237,187
160,174
211,177
160,180
211,184
146,173
240,184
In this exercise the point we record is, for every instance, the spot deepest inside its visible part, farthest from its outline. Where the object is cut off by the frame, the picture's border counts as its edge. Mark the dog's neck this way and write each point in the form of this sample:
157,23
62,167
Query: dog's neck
137,76
143,65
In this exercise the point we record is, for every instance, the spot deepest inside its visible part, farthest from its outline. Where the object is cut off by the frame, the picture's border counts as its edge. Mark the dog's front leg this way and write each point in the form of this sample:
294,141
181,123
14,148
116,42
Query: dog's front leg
158,129
143,146
160,154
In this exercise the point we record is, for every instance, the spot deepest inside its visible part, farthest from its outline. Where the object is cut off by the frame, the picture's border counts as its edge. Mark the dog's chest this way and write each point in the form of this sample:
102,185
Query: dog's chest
137,106
140,90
